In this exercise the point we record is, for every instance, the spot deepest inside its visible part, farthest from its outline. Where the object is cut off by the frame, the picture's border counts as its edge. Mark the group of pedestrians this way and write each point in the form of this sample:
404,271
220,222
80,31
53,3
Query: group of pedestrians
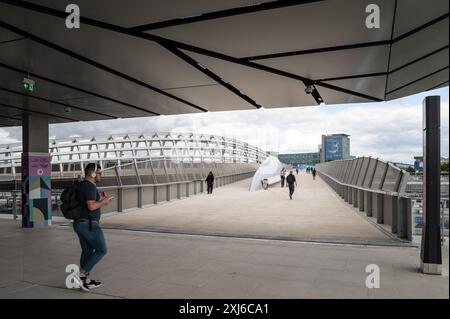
311,170
290,180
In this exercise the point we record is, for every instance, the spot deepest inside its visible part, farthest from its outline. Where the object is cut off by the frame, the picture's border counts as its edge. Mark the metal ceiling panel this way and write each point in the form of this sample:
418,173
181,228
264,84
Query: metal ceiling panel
213,98
333,64
414,13
144,60
13,80
62,68
268,90
418,70
24,102
373,86
434,81
420,44
6,36
138,12
334,97
308,26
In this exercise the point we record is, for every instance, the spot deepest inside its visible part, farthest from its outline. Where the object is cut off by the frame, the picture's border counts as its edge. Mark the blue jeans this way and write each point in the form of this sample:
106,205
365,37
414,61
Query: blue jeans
93,245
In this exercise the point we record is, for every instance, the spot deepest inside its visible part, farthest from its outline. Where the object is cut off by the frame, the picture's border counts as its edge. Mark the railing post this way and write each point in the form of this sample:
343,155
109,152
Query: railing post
379,202
386,167
368,203
404,222
14,205
140,197
367,170
361,200
350,194
373,174
136,170
119,179
355,197
120,199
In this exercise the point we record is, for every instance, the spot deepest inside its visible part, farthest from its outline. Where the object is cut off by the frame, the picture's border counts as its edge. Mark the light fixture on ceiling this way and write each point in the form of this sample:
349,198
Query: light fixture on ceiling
309,89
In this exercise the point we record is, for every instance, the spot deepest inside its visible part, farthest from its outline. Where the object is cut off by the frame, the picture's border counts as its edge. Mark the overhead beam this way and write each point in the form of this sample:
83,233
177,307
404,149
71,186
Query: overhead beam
37,76
252,8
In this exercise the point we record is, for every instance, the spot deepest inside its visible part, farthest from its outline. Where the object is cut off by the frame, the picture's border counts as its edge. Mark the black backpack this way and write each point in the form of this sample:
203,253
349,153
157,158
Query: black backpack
71,203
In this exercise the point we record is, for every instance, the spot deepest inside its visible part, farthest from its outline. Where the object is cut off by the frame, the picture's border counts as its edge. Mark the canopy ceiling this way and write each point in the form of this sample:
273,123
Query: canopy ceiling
150,57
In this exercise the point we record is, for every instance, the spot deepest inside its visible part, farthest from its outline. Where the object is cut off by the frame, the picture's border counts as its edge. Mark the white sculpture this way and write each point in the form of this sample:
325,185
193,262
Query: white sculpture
270,170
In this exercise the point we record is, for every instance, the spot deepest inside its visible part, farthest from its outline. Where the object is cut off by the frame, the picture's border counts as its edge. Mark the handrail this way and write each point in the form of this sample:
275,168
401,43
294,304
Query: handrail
378,189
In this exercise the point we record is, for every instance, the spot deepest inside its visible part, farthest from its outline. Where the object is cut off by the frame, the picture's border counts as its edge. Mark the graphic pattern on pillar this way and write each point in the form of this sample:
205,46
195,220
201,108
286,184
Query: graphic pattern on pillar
36,192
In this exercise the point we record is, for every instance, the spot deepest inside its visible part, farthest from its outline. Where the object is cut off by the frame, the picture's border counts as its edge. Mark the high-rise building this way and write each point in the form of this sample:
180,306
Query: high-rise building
335,147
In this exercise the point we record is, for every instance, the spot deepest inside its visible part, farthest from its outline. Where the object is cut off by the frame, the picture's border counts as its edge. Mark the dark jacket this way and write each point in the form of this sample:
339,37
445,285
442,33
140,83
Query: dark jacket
210,179
290,179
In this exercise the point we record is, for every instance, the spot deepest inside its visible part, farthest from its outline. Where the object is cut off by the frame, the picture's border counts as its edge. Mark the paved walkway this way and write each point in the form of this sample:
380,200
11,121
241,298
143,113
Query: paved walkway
151,265
316,213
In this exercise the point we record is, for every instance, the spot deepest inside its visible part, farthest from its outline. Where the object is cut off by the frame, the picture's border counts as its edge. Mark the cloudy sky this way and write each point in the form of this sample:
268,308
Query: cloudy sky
388,130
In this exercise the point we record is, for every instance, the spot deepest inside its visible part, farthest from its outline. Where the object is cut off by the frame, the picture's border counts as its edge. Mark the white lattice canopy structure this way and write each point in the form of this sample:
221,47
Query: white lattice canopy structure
70,155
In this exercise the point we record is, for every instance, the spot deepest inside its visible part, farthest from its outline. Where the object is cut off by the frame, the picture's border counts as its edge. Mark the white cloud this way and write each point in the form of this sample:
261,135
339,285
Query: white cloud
391,130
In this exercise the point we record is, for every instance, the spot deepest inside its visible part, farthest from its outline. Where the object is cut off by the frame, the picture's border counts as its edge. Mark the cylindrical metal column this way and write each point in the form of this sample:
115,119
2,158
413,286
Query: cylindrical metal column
431,255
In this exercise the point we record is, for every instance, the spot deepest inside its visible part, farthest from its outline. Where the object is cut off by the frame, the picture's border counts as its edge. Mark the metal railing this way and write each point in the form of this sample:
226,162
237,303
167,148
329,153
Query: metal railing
149,182
68,157
375,187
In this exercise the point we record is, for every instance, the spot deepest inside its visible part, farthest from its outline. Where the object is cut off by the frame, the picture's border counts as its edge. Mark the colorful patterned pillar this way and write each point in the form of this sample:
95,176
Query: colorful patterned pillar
36,190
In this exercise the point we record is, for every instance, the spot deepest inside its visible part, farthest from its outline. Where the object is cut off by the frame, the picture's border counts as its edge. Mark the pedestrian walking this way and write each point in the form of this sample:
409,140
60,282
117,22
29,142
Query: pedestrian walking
291,182
282,177
210,182
87,226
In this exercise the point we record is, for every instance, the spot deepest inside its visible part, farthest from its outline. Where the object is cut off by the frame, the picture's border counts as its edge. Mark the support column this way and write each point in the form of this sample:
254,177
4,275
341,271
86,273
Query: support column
140,197
350,195
36,173
368,203
355,197
379,208
430,254
361,200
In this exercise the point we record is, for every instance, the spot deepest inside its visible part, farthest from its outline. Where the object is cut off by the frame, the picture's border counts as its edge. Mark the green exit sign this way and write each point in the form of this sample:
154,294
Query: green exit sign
28,87
28,84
